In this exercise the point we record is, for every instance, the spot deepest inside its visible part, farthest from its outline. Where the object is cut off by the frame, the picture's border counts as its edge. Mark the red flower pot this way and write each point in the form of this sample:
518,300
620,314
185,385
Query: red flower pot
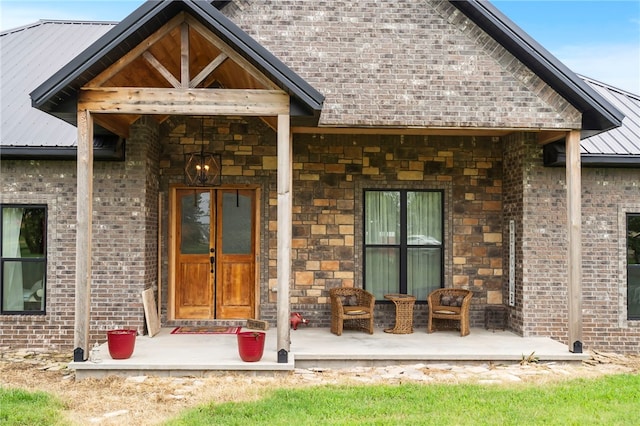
251,345
121,343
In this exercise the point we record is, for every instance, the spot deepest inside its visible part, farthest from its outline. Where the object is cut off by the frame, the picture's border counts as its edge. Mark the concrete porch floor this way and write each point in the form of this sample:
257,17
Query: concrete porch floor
198,355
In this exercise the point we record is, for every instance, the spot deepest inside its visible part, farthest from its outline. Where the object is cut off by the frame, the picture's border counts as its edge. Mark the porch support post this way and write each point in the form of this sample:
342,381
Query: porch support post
574,231
84,212
284,235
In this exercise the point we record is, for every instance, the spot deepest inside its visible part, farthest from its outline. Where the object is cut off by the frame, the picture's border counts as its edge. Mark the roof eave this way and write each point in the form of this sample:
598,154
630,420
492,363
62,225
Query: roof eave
43,97
260,56
105,148
598,115
554,155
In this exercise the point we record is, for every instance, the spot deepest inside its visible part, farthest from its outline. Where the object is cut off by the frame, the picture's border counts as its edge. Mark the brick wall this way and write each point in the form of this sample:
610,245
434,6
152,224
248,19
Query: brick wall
607,195
125,233
402,63
124,241
51,183
482,179
514,166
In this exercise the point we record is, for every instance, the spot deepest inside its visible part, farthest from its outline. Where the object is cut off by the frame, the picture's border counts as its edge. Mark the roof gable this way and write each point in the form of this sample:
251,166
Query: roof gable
58,95
597,113
419,63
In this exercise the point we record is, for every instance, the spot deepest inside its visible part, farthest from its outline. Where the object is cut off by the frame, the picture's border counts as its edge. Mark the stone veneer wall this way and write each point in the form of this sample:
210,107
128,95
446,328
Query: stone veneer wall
248,148
330,172
124,241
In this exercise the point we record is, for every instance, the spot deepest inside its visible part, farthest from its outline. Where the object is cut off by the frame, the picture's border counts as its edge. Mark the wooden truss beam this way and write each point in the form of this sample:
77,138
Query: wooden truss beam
136,52
125,100
155,63
211,67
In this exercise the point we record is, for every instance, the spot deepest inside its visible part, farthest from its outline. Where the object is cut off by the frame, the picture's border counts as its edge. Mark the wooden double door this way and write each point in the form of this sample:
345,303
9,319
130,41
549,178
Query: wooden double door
214,246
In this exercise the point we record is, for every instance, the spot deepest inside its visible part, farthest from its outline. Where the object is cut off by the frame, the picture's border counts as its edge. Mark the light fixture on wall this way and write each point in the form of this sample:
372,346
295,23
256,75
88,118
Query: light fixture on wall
202,168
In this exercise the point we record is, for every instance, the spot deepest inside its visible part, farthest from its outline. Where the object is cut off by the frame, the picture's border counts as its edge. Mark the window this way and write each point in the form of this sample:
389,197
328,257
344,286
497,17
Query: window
23,262
633,266
403,242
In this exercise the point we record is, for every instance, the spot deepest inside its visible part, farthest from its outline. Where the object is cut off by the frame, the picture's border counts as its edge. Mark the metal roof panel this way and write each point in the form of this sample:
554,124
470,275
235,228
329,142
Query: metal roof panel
29,55
624,140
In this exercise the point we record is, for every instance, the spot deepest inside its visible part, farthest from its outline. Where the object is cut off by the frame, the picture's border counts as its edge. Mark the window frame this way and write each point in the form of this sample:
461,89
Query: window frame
403,246
41,259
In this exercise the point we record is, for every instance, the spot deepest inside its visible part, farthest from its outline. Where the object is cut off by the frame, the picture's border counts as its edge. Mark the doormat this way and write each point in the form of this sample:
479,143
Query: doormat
206,330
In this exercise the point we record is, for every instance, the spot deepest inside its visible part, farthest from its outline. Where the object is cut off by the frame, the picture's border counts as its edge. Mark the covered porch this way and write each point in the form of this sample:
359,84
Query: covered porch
200,355
257,85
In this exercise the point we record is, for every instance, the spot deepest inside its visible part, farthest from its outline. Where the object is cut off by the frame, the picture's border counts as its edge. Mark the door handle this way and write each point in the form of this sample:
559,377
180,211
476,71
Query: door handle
212,259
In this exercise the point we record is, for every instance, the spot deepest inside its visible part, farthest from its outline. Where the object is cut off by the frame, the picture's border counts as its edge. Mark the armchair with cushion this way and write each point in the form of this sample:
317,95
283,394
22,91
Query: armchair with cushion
450,304
353,305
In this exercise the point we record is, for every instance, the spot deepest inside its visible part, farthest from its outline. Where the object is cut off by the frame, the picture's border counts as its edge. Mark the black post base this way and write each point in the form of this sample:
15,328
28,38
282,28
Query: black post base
78,355
577,347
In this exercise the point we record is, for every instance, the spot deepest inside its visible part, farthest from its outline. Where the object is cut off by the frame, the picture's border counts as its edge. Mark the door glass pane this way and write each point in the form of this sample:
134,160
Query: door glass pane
382,270
236,223
195,222
423,271
633,266
382,217
424,218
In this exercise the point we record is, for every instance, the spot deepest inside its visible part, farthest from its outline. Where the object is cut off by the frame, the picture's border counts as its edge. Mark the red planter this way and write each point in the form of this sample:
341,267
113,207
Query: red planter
121,343
251,345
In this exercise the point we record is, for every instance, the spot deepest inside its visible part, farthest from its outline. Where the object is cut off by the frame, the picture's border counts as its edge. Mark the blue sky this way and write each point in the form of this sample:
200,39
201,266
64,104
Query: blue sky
598,38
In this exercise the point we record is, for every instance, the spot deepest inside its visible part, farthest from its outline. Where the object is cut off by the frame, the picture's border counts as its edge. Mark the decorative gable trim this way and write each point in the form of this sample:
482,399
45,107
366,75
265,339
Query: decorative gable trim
58,95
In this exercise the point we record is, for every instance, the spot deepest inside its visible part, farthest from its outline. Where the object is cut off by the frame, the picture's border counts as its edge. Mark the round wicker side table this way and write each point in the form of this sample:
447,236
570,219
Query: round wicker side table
404,313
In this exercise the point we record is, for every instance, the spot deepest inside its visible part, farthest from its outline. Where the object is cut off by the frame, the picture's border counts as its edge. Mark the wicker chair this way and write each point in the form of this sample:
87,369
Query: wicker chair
450,304
353,305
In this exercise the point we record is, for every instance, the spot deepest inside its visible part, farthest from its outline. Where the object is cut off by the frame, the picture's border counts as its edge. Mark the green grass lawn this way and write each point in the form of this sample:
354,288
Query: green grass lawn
611,400
19,407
